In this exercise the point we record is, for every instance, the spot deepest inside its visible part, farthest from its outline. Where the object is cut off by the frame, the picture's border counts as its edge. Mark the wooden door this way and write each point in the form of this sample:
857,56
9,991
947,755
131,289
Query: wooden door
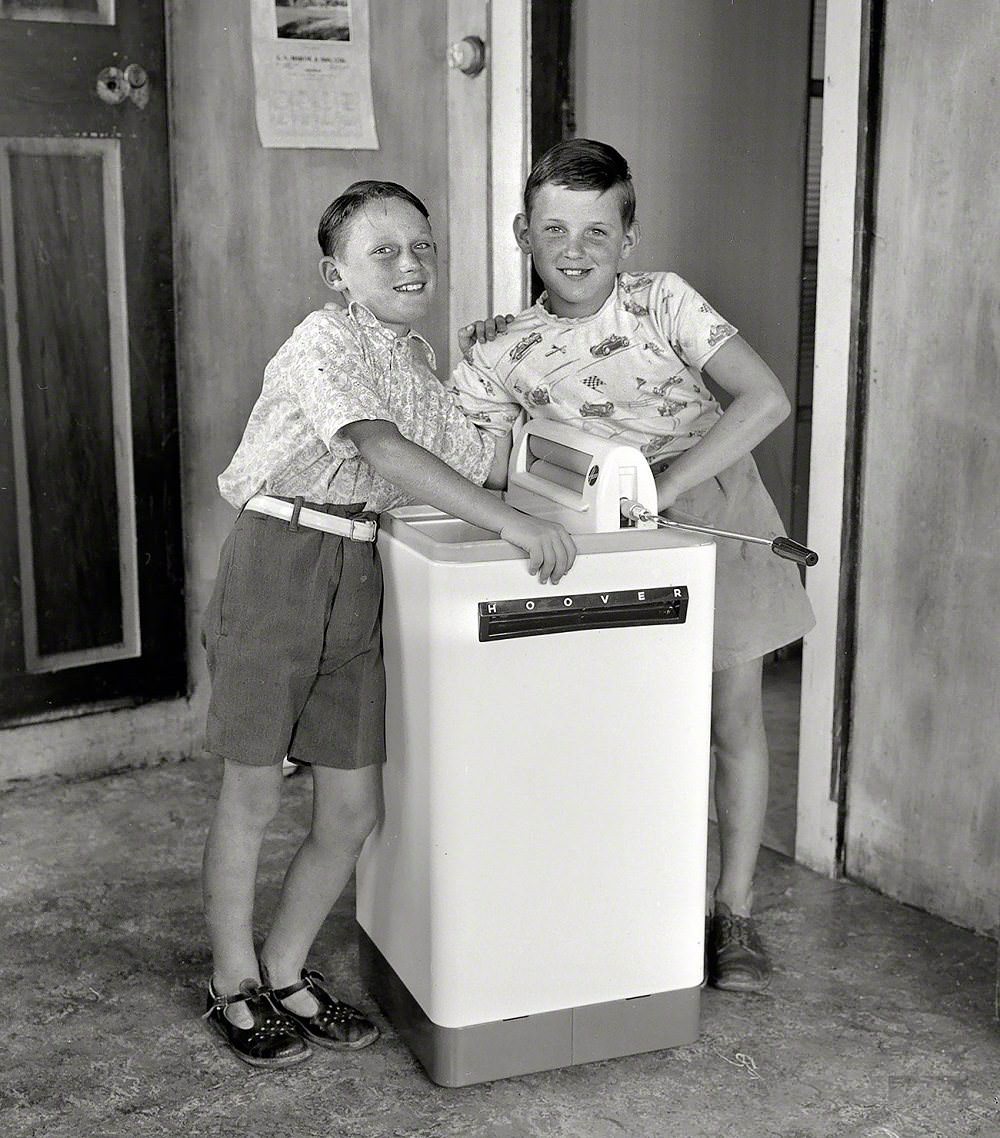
91,574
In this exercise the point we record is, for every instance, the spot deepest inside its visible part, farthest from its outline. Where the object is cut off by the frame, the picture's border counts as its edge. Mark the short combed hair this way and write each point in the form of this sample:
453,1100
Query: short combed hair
583,164
357,195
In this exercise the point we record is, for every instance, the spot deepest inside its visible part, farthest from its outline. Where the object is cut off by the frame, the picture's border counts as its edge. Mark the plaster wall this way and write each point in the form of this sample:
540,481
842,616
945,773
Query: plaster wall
923,818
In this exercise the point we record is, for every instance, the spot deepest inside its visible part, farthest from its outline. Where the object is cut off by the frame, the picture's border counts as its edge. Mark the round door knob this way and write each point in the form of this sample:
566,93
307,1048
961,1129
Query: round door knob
136,76
115,85
468,55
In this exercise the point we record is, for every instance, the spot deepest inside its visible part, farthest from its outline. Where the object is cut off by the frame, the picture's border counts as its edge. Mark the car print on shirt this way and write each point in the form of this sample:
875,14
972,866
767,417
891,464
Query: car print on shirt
634,286
597,410
655,444
670,408
661,389
522,347
635,309
611,344
719,332
539,397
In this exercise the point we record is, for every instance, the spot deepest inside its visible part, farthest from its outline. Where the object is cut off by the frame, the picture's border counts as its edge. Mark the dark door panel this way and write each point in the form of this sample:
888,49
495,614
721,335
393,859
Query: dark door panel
91,575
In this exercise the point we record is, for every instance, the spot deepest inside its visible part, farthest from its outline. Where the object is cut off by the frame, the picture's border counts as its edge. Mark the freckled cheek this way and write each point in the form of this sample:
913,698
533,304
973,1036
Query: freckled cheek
548,253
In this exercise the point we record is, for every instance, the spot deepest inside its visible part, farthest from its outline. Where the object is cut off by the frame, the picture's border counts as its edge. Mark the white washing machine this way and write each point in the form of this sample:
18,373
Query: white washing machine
534,896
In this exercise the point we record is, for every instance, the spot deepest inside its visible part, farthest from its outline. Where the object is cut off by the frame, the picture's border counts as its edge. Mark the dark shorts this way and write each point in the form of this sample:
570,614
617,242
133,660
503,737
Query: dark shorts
760,604
294,641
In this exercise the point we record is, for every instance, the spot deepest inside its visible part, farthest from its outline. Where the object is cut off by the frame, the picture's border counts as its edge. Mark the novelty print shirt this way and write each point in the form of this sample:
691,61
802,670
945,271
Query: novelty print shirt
631,371
338,367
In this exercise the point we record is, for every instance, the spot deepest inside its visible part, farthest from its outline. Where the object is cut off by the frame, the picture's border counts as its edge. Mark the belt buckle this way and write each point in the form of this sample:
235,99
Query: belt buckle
364,522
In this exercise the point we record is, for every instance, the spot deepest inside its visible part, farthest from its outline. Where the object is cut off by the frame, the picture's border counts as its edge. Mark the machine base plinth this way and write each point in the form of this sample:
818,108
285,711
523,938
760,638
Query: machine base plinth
458,1056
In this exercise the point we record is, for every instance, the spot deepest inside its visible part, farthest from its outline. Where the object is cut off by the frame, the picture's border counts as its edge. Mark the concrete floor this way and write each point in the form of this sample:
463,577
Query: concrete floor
879,1022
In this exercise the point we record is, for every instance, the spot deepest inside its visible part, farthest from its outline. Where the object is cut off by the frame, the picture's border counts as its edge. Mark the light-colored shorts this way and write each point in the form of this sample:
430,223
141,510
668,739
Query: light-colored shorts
760,604
293,635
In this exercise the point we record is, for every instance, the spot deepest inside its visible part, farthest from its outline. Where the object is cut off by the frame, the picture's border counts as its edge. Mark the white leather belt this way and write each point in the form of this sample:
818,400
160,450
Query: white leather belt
357,529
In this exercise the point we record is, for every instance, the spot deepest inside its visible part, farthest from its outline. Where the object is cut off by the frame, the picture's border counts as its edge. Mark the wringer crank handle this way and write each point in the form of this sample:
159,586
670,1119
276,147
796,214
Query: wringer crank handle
783,546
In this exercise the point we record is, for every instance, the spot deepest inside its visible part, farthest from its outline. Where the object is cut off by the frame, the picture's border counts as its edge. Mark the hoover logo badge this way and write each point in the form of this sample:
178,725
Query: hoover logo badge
580,612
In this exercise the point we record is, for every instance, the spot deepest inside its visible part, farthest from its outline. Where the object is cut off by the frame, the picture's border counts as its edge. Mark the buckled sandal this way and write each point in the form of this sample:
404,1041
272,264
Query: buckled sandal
334,1024
273,1041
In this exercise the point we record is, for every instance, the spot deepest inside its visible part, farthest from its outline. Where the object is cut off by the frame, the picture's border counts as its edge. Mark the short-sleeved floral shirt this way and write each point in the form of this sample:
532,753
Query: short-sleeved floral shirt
631,371
339,367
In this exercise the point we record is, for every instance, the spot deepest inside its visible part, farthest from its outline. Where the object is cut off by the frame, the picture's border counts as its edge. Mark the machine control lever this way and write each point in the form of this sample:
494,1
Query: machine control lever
634,511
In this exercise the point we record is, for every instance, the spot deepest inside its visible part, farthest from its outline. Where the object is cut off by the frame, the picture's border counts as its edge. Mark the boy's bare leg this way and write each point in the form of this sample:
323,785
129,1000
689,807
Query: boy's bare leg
248,801
345,805
741,779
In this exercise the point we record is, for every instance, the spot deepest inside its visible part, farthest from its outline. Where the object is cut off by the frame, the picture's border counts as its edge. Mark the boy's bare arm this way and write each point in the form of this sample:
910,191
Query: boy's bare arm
551,551
497,477
759,405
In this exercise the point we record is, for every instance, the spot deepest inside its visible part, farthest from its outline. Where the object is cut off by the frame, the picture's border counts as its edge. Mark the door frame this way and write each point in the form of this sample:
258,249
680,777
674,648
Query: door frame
510,149
827,658
487,167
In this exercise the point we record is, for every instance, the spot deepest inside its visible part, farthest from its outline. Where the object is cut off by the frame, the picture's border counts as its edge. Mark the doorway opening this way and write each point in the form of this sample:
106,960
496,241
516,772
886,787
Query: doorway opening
719,112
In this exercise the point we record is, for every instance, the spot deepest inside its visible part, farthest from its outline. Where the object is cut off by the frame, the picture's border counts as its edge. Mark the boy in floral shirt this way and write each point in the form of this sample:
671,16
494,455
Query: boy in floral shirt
351,421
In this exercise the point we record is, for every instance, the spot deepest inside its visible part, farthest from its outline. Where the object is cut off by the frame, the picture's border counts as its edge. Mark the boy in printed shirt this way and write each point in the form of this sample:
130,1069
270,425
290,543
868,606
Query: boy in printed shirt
351,421
621,355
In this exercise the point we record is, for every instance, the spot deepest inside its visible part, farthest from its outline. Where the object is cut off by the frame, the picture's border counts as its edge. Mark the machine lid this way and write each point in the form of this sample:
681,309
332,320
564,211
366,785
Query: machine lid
440,537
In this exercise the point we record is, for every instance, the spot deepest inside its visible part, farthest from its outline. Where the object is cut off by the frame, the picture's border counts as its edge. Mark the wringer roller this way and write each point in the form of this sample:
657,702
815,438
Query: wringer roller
593,485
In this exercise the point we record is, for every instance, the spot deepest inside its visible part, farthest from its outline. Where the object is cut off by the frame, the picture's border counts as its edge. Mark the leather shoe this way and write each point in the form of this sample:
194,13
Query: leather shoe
334,1024
737,961
273,1041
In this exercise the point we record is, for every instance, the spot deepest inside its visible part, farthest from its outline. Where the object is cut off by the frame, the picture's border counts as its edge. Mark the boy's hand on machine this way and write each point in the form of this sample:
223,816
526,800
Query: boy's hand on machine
550,549
482,330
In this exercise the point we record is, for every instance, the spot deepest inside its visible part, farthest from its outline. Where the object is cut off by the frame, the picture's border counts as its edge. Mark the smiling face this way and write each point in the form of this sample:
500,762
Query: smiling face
387,261
578,242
